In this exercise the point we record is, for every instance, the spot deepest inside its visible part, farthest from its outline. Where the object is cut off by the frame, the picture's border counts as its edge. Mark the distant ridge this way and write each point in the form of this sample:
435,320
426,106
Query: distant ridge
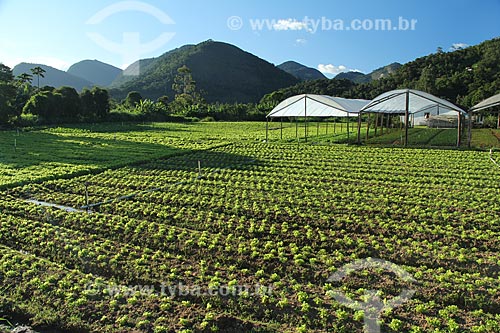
53,77
463,76
300,71
358,77
224,72
95,71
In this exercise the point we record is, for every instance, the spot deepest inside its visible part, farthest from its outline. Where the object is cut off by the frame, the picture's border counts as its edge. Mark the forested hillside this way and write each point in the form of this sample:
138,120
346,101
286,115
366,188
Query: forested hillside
222,72
300,71
464,77
95,71
358,77
52,77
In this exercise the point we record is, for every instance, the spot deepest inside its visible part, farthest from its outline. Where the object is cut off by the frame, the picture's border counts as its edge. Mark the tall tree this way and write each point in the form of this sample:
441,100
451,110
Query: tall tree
427,80
87,107
24,90
69,109
163,100
24,78
5,73
7,95
38,71
101,102
183,81
133,98
186,96
45,104
94,103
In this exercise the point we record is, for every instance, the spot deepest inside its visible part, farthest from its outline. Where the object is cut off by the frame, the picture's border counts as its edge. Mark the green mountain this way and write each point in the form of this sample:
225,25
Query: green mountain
53,77
356,77
463,77
95,71
379,73
223,73
301,72
384,71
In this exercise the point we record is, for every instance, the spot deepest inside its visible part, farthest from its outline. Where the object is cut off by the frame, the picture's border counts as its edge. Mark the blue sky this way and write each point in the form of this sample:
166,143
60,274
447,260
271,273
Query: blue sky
331,35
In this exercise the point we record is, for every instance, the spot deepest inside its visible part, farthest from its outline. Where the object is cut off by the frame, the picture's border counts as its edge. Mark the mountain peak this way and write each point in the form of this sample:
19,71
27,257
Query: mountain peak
95,71
300,71
358,77
223,71
53,76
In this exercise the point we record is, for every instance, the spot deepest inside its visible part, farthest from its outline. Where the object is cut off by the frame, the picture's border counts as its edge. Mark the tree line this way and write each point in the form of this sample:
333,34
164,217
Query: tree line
463,77
22,104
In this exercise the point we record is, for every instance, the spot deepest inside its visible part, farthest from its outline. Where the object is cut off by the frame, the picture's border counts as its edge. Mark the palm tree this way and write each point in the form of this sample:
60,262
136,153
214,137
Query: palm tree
5,73
25,78
38,71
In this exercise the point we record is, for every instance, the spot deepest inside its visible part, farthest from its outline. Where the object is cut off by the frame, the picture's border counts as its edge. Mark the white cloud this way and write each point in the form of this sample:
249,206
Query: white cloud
290,24
300,41
334,70
458,46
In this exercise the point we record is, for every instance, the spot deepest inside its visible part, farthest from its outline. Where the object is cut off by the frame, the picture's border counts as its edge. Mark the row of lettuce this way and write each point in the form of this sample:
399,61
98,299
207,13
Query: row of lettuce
283,218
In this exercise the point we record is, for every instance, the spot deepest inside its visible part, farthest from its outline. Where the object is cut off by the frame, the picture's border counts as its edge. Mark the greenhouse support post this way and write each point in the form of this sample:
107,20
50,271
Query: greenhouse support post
469,139
348,126
359,127
368,126
305,119
407,116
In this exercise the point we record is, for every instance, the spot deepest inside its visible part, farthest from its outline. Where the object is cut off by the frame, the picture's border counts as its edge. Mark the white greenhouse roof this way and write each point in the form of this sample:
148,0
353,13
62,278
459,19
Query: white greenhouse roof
487,103
308,105
394,101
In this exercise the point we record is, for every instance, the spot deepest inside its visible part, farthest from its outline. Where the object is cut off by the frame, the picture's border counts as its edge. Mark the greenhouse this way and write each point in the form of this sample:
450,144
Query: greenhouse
309,106
491,105
408,103
487,103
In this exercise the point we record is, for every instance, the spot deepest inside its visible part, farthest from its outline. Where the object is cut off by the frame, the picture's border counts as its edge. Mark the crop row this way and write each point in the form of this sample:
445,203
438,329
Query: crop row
447,279
287,216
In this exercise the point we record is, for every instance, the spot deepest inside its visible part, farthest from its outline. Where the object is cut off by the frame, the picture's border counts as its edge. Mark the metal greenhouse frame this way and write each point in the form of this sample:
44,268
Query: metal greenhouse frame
314,106
406,102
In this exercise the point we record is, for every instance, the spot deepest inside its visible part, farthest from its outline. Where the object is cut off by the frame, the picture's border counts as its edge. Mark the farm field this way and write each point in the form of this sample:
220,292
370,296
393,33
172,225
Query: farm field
221,232
45,153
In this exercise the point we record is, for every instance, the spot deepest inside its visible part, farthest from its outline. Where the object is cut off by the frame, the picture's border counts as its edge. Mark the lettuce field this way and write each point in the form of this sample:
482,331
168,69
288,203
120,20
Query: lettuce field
206,228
